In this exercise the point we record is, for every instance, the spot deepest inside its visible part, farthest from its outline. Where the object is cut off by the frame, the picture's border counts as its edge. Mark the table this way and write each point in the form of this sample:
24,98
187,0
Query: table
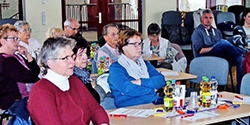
152,58
181,76
225,115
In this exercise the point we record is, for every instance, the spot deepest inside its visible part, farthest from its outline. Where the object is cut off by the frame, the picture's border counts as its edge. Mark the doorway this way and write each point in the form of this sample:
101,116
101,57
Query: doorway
94,14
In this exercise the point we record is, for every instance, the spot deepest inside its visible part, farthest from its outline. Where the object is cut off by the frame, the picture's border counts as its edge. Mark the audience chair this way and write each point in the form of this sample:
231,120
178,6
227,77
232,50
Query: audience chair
236,9
230,71
244,90
226,17
215,13
209,66
106,98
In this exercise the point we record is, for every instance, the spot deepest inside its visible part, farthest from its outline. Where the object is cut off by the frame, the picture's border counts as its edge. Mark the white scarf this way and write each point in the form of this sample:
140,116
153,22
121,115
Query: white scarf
60,81
134,70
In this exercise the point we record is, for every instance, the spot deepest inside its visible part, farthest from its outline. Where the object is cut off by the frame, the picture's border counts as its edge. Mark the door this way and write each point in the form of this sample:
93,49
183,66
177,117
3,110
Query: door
94,14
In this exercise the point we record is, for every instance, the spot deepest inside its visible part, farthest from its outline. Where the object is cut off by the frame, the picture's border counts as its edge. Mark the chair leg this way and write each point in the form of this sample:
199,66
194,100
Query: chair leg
231,77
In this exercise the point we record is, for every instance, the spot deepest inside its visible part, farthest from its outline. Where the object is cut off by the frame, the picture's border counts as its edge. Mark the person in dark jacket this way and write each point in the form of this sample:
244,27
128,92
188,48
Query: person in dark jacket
15,70
82,72
71,30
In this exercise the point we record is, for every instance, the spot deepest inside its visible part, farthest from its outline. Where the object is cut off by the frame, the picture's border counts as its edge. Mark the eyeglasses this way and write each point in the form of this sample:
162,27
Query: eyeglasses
13,38
27,30
136,44
73,56
73,28
208,17
153,35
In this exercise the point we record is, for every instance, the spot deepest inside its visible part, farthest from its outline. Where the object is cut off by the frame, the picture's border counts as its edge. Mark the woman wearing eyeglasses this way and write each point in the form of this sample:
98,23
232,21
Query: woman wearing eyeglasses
14,69
132,80
60,98
31,44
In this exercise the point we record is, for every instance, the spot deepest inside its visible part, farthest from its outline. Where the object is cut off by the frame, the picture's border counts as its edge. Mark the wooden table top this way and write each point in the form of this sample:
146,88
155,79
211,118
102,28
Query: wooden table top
225,115
151,58
181,76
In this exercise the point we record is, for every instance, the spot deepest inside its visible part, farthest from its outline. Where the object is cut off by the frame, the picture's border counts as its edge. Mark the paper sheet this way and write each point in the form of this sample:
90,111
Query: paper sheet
246,100
143,113
170,73
199,115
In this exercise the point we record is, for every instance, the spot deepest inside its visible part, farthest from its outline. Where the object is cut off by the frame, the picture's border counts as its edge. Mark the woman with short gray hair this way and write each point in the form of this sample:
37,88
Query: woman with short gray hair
59,97
24,33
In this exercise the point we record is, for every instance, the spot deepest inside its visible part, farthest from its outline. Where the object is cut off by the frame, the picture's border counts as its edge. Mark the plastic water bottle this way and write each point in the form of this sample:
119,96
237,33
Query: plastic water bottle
106,64
100,66
97,47
168,98
213,91
178,89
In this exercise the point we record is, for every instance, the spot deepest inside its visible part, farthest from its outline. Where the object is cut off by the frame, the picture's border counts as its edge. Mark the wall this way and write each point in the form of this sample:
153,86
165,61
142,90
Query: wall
153,10
53,16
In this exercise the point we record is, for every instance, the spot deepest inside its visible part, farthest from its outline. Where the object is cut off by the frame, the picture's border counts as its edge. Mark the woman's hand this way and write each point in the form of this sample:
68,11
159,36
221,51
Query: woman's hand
22,50
136,82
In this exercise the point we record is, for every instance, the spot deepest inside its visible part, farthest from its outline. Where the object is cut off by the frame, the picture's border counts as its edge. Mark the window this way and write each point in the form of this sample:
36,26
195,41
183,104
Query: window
191,5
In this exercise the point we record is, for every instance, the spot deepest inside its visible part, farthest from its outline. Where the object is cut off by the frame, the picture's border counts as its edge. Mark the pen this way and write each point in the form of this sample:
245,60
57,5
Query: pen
238,97
120,116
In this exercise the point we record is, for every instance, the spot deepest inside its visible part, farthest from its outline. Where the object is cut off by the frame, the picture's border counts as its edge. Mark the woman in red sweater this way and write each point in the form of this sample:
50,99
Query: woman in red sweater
59,97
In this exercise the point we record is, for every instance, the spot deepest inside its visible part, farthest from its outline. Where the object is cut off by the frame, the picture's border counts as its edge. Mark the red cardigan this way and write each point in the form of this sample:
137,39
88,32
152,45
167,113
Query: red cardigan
49,105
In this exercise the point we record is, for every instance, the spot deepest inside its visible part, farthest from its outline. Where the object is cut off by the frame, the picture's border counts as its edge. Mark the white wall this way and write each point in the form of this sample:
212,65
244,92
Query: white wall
34,9
153,10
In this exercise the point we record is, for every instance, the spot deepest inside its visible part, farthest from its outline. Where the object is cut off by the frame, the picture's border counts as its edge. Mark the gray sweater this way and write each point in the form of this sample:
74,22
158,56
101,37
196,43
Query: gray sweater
203,37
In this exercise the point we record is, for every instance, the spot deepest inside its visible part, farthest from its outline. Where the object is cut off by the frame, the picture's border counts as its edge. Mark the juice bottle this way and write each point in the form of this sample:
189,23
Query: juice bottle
168,98
206,95
100,66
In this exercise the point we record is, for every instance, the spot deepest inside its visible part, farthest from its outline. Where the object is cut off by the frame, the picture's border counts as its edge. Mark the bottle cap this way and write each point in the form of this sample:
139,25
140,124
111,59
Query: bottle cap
168,82
101,58
107,58
212,77
97,44
173,80
178,83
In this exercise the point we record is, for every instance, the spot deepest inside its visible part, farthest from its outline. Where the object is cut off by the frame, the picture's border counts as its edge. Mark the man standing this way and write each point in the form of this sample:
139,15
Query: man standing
110,34
71,28
207,41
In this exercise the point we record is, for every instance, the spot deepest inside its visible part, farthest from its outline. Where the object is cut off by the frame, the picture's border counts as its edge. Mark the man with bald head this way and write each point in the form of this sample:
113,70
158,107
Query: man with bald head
71,28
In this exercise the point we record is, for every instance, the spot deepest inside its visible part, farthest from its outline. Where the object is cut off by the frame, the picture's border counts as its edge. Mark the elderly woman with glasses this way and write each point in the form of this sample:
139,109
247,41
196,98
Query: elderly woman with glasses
24,33
15,70
132,80
60,98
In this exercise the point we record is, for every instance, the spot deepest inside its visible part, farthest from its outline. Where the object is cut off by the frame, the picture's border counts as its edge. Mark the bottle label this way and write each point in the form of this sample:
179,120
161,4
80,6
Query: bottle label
168,102
206,97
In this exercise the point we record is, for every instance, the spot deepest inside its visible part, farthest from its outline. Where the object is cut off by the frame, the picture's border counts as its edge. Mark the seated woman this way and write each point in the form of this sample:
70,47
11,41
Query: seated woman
158,46
241,32
132,80
59,97
82,72
31,44
14,69
54,32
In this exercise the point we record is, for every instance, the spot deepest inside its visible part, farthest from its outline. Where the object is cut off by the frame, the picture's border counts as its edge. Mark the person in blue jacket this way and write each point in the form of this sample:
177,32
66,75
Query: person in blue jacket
132,80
